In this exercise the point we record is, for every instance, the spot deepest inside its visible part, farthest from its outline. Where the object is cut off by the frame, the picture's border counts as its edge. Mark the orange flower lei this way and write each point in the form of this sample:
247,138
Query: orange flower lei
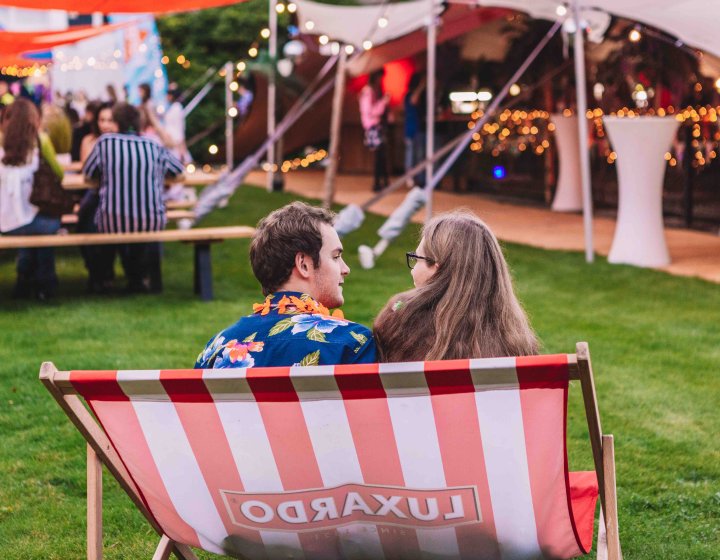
294,305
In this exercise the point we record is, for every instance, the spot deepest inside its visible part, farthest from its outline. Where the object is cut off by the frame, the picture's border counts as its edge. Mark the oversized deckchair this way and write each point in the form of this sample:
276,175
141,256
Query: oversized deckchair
422,460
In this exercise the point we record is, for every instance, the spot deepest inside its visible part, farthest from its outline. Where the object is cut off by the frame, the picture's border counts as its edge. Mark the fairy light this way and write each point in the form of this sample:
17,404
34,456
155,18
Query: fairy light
382,22
323,39
265,33
213,149
304,162
367,44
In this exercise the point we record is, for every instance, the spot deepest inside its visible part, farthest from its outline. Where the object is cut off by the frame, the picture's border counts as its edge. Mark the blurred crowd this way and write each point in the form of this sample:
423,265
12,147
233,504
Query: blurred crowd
127,151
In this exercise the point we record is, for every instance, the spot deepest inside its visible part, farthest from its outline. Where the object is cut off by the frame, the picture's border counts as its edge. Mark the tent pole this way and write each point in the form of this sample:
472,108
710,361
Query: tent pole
272,50
335,123
229,146
430,105
581,93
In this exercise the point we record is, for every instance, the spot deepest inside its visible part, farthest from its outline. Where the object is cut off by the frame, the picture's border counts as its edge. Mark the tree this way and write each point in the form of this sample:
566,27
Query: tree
209,38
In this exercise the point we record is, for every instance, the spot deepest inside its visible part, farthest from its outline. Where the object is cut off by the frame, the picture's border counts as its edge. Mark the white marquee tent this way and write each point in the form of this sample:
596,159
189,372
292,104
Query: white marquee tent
687,22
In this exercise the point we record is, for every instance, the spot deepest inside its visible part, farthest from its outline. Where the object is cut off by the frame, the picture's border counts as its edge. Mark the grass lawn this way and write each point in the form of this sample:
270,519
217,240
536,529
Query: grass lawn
654,343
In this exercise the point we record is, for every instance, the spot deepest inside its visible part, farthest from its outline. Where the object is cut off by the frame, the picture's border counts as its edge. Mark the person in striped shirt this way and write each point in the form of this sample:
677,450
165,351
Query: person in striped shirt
131,171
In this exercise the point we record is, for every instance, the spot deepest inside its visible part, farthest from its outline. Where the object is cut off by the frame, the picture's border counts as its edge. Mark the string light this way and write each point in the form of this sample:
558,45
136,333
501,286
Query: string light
367,45
309,159
382,22
323,39
634,35
265,33
240,66
280,8
292,7
213,149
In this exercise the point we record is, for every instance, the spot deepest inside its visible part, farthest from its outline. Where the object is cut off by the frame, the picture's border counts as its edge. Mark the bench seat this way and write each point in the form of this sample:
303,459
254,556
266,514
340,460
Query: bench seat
201,238
72,219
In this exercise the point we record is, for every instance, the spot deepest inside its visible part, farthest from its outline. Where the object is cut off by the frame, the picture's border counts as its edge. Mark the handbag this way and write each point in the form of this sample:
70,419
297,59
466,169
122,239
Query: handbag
374,137
48,193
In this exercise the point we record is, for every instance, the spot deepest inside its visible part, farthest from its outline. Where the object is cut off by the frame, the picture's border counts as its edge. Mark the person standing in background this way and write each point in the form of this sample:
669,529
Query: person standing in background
415,127
373,109
172,134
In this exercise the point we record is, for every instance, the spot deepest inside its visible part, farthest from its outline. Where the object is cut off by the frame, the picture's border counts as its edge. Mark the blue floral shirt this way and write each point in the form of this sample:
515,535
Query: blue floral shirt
290,328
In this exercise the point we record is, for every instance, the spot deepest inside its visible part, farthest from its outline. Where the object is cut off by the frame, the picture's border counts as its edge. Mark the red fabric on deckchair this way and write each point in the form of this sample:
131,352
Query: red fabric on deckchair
463,459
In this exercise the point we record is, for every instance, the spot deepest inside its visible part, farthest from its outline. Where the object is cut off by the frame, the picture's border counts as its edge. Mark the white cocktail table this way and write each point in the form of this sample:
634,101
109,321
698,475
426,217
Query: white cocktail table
640,144
568,193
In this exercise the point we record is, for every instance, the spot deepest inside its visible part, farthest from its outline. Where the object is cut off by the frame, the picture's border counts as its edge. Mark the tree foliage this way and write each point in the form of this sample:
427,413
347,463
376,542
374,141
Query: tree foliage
209,38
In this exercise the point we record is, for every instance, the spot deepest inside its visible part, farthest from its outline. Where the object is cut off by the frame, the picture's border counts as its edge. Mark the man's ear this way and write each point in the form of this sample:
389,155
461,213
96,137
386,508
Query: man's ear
303,264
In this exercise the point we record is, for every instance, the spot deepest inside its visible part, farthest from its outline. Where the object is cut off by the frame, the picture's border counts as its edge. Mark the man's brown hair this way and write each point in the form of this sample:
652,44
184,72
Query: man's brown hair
127,118
280,236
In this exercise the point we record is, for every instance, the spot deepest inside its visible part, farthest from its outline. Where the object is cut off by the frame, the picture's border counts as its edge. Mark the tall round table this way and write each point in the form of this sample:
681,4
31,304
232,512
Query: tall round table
568,192
640,144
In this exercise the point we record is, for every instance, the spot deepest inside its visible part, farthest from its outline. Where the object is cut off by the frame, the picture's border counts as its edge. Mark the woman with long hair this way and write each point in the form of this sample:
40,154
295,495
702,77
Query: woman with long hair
373,109
103,123
23,146
463,304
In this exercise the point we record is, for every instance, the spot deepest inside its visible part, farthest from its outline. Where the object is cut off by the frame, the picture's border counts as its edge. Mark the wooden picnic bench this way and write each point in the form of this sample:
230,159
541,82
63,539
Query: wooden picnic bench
78,181
201,238
172,215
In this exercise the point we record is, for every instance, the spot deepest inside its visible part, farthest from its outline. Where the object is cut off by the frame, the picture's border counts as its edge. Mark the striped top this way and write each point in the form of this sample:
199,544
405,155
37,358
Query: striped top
132,172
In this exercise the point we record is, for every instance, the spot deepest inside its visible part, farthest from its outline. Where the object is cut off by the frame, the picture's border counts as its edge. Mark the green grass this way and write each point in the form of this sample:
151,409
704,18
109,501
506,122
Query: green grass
653,339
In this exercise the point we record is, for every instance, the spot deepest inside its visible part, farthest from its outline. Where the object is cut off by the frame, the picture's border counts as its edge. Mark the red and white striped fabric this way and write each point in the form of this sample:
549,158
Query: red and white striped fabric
455,459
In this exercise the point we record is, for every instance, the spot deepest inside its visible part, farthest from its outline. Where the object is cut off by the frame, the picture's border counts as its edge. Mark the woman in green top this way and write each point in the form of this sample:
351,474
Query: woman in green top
463,304
19,160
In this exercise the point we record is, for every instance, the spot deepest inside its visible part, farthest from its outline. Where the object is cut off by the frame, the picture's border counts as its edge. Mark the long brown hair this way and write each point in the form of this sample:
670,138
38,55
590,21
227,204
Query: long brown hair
467,309
20,124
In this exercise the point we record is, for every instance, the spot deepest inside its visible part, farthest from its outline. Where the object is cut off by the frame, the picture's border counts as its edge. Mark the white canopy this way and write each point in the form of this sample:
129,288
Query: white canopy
356,24
694,22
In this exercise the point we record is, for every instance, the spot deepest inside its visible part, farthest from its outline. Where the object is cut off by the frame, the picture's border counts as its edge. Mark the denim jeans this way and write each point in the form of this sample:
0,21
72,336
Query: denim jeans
36,267
414,154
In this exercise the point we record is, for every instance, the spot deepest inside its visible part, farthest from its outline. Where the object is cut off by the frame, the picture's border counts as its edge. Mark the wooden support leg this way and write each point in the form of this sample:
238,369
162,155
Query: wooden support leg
94,505
611,513
203,271
184,552
164,548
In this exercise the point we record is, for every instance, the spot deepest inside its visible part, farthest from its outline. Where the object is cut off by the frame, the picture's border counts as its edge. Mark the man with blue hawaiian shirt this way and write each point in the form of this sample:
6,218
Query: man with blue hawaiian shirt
296,255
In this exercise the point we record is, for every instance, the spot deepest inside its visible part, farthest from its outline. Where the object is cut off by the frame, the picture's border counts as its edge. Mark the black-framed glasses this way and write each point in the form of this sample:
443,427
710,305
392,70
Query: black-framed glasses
412,259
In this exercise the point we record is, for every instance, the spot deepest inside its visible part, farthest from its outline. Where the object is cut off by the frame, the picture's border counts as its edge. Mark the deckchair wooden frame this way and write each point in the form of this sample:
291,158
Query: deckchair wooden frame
101,452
